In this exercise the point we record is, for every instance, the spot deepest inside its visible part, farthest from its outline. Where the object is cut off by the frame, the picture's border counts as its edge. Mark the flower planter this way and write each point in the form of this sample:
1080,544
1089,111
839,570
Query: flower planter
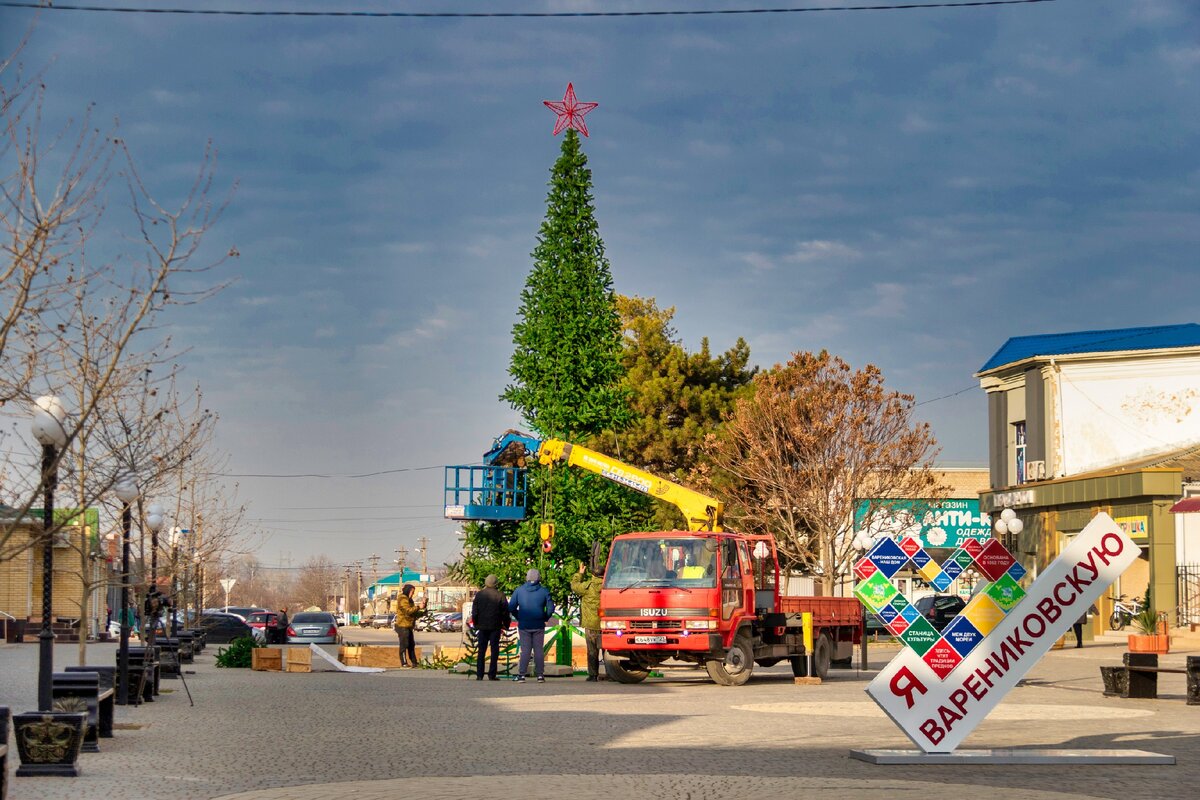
49,742
1116,681
1155,643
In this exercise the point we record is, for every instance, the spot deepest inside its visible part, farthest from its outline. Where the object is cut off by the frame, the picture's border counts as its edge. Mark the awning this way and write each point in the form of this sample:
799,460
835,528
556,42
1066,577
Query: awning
1185,505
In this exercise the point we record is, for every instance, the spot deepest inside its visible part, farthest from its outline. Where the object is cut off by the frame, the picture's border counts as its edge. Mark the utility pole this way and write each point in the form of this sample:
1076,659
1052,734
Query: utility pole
358,597
402,560
374,566
424,543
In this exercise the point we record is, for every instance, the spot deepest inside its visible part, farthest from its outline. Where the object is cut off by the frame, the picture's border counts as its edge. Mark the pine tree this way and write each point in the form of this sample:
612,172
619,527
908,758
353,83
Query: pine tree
566,373
566,368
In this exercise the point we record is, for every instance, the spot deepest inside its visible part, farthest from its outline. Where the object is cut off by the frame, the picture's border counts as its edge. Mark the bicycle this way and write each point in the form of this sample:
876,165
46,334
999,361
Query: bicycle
1123,613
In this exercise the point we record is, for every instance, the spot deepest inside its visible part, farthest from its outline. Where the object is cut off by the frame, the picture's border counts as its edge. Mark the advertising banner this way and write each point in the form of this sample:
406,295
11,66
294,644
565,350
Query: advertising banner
938,695
946,523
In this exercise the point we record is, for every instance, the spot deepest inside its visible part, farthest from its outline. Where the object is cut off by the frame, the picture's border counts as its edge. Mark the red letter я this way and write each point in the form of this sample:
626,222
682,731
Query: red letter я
905,690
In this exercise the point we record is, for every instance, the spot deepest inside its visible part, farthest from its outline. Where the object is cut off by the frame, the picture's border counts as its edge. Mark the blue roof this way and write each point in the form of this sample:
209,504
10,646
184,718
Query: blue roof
1161,337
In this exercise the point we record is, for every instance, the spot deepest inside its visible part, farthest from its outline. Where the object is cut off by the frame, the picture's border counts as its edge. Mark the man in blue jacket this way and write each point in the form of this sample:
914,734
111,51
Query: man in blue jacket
531,606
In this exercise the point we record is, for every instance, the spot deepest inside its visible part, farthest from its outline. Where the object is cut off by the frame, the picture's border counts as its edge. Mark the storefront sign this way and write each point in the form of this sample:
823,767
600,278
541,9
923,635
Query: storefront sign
939,696
1134,527
946,523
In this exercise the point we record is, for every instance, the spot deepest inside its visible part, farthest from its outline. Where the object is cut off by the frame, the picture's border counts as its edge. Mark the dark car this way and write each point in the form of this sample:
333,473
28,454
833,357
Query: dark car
939,609
224,628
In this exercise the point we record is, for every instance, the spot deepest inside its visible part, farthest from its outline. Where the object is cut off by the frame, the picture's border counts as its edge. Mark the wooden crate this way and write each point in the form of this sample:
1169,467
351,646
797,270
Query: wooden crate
299,659
266,658
350,655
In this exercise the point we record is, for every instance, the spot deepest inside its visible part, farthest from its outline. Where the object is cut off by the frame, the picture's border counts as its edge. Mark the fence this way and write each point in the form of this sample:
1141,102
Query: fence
1188,594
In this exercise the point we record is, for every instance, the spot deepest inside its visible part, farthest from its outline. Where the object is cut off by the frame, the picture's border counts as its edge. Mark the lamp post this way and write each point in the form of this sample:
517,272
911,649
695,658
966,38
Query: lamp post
126,491
48,418
177,586
155,515
1009,524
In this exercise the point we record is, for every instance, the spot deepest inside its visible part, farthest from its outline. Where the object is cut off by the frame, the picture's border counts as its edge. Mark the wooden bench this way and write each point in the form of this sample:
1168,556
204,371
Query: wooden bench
83,687
108,695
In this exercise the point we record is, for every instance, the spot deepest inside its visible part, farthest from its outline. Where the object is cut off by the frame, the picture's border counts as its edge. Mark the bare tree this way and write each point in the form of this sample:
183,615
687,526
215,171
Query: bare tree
312,582
813,440
74,328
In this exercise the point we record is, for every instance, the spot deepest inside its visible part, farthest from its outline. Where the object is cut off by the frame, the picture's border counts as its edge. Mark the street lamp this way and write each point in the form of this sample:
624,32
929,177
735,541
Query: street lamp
126,491
48,418
155,515
177,586
1008,524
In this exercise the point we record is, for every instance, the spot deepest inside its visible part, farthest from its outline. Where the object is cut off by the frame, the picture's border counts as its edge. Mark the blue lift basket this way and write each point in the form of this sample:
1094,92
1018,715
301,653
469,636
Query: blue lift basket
485,493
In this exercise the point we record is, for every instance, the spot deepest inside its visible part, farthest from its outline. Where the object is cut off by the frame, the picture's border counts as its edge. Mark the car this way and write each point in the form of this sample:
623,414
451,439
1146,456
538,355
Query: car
365,620
383,620
313,627
242,611
939,609
340,619
451,622
268,623
224,628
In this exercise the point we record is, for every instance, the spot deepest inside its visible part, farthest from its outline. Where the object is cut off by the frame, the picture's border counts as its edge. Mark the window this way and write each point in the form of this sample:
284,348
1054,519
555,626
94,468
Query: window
1019,433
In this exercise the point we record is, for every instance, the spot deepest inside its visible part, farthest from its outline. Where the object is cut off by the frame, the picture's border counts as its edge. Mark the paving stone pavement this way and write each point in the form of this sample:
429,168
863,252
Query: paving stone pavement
415,733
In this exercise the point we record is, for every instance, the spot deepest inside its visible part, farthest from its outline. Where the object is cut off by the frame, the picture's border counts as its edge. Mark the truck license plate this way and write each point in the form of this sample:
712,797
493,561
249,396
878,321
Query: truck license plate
649,640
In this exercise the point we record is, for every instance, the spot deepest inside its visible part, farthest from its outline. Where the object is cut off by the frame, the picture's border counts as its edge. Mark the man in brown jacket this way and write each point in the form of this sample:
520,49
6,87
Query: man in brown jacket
407,613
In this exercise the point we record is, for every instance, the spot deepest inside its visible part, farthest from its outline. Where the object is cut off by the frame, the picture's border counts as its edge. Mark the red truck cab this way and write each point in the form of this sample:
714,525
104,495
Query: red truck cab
709,598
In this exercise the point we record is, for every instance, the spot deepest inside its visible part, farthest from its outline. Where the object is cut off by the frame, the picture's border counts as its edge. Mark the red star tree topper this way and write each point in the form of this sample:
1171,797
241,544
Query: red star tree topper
569,112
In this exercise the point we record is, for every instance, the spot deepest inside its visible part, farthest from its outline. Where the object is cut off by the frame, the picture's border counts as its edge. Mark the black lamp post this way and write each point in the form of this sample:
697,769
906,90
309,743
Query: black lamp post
155,514
48,430
127,492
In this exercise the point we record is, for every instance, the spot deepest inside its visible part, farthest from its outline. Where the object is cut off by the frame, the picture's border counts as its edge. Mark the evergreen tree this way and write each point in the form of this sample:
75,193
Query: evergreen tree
566,372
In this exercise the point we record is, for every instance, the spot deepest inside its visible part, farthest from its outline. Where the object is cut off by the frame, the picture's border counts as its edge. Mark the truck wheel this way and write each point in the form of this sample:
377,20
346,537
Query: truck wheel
822,656
735,669
623,671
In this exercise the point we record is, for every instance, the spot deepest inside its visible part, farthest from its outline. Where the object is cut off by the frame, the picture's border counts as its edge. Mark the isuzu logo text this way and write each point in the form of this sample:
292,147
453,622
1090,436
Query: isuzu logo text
654,612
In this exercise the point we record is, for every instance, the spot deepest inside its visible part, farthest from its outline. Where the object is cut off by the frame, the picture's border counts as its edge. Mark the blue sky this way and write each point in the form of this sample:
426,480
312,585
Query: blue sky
904,188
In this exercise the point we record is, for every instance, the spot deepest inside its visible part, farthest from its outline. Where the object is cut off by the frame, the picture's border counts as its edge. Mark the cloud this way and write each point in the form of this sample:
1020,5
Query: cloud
819,250
915,123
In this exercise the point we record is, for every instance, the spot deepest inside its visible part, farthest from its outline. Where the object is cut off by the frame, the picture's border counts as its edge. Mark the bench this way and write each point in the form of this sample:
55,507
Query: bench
143,674
82,687
169,656
4,715
189,645
1138,677
108,696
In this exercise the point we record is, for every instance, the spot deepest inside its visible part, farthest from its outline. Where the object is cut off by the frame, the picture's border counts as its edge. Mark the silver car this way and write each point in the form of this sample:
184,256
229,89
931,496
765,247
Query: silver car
313,627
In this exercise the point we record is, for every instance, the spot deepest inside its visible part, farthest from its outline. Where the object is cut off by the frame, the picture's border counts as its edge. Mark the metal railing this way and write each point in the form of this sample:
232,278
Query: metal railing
1188,594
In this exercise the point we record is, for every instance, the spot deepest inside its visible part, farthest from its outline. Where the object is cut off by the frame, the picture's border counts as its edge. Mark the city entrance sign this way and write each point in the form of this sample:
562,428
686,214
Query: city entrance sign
938,695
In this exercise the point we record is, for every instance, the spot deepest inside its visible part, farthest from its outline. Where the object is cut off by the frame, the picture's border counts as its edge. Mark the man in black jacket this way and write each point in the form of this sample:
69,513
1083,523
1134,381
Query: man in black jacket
489,616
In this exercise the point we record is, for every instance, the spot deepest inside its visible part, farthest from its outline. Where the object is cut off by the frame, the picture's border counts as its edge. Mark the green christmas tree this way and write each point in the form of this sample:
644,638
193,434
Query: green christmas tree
567,373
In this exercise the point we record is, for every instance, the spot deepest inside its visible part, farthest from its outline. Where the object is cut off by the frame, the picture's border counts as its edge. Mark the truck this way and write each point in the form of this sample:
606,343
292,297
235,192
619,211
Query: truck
705,596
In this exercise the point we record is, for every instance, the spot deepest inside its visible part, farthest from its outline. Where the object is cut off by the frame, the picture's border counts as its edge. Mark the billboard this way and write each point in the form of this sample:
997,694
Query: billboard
944,523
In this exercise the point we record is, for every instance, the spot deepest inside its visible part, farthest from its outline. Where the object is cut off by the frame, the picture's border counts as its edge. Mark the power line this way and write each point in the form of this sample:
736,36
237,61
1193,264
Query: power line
518,14
946,396
317,474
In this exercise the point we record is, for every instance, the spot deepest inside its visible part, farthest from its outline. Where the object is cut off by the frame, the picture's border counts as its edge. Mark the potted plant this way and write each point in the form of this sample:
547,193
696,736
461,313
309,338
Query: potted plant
1148,638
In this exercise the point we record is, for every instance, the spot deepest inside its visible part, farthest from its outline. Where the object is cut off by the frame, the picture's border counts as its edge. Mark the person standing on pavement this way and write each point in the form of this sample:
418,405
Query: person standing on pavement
281,626
588,586
532,606
489,617
1078,626
407,614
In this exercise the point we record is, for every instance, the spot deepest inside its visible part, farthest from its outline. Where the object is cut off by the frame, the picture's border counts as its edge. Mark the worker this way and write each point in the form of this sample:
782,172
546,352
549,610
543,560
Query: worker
588,586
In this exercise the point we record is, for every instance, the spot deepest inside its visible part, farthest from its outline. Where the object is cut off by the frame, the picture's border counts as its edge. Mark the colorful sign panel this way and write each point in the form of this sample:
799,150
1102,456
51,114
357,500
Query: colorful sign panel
938,690
946,523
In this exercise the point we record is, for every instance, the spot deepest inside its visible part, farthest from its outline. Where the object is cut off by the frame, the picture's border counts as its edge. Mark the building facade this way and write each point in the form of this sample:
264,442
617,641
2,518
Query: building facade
1093,421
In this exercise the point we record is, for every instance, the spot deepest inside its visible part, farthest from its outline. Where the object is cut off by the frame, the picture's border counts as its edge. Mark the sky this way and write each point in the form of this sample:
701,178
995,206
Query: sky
902,188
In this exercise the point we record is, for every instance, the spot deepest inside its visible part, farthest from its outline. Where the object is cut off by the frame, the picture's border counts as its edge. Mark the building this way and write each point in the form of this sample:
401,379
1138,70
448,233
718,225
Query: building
1105,420
21,568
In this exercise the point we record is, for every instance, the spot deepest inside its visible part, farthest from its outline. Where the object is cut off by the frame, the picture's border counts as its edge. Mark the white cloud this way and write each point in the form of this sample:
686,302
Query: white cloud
915,123
819,250
705,149
1182,58
326,332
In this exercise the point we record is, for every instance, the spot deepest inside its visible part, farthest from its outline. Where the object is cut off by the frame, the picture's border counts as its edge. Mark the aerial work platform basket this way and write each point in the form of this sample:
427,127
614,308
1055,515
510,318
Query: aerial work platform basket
485,493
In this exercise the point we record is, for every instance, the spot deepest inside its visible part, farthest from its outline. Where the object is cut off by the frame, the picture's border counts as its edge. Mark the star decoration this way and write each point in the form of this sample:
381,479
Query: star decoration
569,112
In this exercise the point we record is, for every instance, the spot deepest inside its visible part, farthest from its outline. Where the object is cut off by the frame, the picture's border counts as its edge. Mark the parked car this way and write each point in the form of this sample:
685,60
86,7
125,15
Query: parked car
451,622
365,620
242,611
383,620
340,619
313,627
224,628
939,609
268,623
